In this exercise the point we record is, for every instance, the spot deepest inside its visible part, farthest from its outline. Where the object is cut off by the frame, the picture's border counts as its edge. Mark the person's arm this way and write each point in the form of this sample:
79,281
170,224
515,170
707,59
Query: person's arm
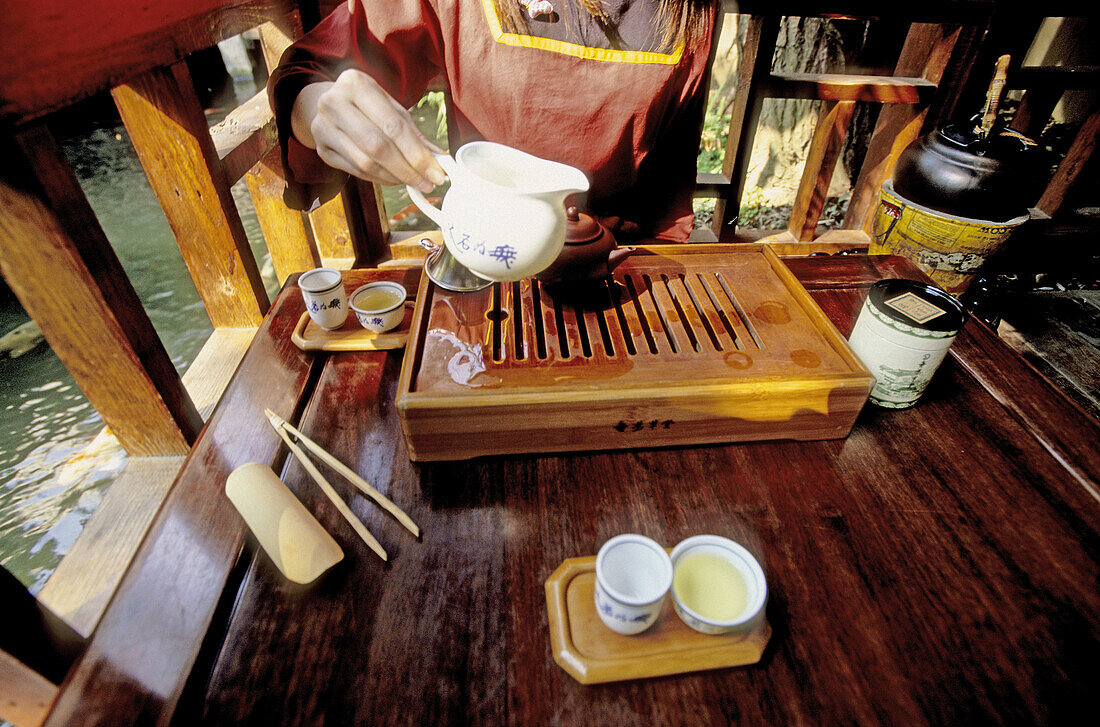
339,95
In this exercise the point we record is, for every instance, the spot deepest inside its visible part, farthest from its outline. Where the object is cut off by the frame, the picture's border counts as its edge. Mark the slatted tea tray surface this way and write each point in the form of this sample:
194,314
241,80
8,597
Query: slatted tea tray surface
675,347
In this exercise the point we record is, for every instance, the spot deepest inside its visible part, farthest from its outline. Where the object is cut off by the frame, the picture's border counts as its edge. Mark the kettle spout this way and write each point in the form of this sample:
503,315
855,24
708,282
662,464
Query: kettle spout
616,256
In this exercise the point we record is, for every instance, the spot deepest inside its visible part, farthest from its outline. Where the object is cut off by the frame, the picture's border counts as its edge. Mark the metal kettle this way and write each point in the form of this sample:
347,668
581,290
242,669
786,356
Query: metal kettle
975,169
960,171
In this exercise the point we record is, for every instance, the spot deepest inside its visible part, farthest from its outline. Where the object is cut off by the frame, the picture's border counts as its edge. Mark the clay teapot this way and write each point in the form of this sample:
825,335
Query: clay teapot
960,171
590,251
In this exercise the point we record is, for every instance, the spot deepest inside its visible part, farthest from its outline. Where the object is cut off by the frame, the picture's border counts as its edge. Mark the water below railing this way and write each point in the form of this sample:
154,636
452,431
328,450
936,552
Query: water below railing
50,481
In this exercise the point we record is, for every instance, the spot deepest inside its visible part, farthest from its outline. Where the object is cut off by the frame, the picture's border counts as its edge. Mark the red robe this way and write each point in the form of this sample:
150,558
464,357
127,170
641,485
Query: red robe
621,109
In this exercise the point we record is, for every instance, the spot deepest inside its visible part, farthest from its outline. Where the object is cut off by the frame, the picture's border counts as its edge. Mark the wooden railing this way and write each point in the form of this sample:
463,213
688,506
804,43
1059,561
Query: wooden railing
58,261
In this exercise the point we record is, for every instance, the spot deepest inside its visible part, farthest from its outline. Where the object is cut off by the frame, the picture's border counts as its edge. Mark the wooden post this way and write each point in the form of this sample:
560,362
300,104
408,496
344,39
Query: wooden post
832,127
332,233
926,53
754,69
1035,109
288,240
57,260
366,213
171,137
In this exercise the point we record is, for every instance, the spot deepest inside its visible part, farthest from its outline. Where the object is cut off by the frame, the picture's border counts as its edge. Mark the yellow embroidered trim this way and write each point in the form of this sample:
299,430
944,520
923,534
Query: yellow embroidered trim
573,49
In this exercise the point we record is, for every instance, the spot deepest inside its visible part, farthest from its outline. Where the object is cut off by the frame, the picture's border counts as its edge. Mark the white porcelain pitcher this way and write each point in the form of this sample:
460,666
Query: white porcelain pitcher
504,215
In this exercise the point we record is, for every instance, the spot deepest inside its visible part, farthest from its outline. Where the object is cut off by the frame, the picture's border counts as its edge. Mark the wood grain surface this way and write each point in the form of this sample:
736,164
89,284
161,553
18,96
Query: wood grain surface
938,566
151,634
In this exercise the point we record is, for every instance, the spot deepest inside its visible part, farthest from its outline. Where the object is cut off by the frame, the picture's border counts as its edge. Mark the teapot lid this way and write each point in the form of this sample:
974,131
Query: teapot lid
581,228
1001,144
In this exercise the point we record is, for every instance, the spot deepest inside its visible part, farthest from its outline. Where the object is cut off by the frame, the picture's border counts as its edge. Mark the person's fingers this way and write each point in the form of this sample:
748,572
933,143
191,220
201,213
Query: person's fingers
383,131
414,146
391,137
347,140
339,151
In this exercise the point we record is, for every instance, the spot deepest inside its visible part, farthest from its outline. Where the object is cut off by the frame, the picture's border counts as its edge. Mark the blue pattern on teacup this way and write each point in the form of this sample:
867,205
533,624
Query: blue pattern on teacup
609,610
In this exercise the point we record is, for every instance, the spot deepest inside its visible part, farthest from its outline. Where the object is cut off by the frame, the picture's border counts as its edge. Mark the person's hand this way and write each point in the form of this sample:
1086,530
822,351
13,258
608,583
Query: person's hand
357,127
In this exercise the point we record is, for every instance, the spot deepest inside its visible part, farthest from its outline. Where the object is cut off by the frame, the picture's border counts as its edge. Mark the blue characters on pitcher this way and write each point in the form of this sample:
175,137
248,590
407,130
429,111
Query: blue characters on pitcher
501,253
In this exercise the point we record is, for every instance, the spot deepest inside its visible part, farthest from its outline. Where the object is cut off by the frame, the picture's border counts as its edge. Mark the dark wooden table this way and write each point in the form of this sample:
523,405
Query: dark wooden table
938,566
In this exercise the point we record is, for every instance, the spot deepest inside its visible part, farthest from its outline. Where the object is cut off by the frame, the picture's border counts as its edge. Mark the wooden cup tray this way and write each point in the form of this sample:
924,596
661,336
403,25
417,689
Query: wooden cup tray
351,336
592,653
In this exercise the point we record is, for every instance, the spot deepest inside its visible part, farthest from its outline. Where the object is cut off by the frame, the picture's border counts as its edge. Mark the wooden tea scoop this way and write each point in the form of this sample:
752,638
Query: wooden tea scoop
383,501
993,95
342,506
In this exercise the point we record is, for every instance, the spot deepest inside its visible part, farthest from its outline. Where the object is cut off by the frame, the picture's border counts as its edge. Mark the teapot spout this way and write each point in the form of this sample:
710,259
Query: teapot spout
617,256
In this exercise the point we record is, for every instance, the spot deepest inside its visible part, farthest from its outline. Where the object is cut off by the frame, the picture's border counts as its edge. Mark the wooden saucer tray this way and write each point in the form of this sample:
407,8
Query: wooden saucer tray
679,346
592,653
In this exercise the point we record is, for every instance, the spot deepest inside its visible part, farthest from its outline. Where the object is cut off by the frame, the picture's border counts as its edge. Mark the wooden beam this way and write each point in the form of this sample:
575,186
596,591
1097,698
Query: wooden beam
54,54
1082,149
1063,78
711,185
289,241
277,35
365,210
57,260
81,587
926,52
1035,110
194,551
849,87
25,695
170,134
245,135
821,159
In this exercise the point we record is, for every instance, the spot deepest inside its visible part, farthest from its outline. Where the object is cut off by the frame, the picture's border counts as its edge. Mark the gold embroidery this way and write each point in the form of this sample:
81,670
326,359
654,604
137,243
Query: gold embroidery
608,55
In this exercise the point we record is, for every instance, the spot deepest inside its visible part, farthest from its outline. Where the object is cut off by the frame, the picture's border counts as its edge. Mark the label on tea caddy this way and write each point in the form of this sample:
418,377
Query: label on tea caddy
915,307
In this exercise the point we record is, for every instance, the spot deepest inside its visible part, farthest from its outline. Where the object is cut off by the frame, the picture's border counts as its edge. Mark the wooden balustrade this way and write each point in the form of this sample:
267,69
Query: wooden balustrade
56,258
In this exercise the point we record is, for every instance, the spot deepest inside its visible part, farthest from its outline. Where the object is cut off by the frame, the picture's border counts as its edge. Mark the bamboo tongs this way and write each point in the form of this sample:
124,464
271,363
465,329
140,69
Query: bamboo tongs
288,434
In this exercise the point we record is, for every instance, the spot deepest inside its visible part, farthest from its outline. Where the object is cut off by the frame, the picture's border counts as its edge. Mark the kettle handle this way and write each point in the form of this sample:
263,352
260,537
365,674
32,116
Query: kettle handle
418,198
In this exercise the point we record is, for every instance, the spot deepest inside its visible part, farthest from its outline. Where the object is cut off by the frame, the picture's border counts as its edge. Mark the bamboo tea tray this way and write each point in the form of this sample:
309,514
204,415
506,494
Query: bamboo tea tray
351,336
593,653
682,345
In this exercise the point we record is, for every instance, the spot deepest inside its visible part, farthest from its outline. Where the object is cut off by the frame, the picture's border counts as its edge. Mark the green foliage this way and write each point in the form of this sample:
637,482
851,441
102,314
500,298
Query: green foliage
430,114
712,143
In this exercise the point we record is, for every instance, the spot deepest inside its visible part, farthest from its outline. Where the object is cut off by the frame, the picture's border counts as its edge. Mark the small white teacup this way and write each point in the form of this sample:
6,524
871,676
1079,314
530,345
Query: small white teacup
325,297
718,586
379,306
633,575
